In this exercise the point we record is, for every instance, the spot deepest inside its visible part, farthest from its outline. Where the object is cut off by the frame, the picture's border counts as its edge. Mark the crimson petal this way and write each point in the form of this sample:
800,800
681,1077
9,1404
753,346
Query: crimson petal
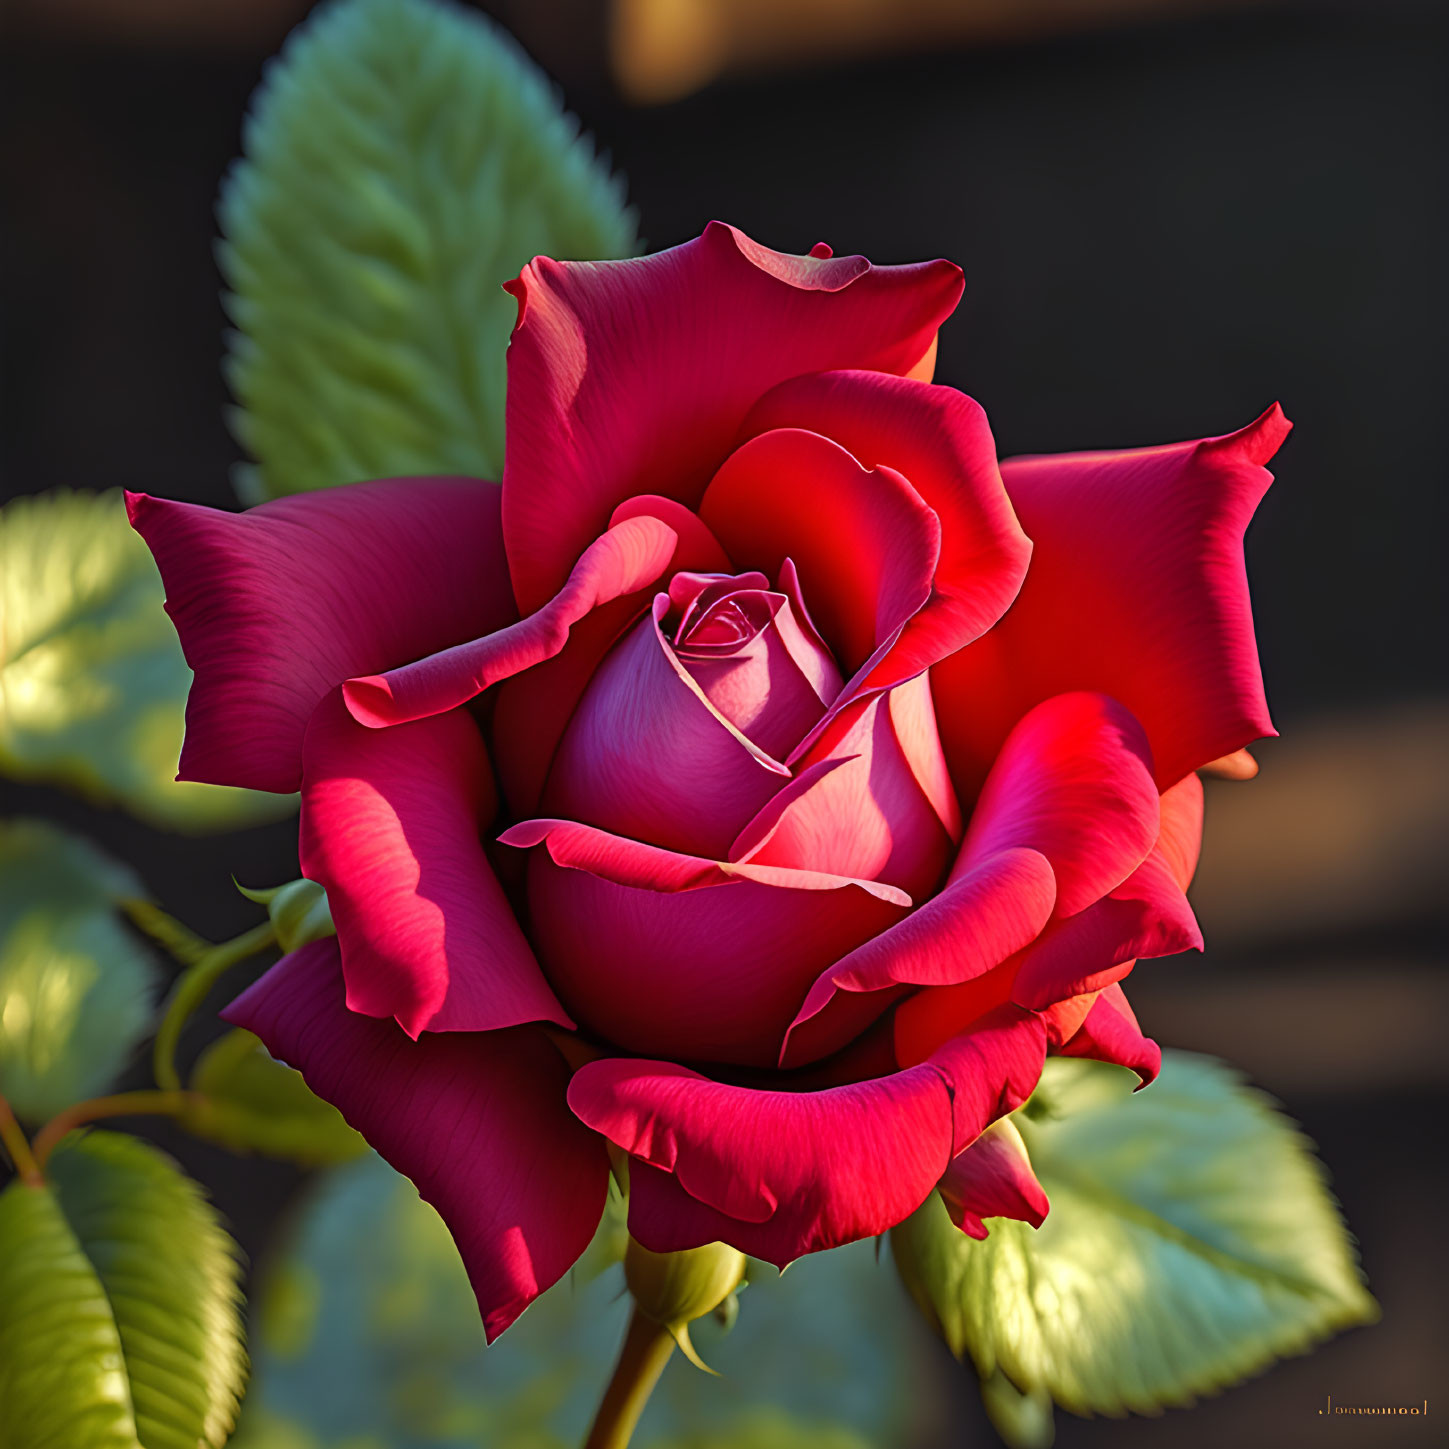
479,1123
278,605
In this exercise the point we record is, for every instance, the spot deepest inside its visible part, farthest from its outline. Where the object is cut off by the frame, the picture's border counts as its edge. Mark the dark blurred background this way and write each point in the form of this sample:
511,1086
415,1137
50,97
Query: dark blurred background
1169,215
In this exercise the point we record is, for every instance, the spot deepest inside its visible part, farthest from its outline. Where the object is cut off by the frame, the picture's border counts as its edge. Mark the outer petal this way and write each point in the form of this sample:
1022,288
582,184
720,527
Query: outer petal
390,826
1073,781
1147,915
779,1173
939,439
993,1179
280,604
634,376
1137,588
862,541
646,755
677,956
1070,811
627,558
480,1124
1111,1034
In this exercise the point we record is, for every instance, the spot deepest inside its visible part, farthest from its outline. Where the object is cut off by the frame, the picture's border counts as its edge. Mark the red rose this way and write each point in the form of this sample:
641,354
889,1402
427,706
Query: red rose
760,780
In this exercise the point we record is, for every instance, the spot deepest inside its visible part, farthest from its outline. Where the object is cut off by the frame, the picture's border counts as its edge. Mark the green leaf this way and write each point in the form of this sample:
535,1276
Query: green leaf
403,160
75,984
251,1103
1191,1241
119,1305
367,1334
92,679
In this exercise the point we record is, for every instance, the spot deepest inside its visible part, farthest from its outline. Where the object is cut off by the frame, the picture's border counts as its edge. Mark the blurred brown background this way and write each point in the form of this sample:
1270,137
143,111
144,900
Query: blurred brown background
1169,214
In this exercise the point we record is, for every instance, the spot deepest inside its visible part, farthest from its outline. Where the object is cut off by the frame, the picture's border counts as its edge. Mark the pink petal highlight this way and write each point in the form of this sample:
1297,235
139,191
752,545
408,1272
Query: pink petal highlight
781,1173
390,826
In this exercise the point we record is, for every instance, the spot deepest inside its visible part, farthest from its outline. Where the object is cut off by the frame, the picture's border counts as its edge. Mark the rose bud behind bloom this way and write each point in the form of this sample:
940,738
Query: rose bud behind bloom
758,784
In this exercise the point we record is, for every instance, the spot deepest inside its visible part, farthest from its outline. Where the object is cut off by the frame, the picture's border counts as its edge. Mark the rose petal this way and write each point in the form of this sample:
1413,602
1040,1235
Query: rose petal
1147,915
1111,1034
860,811
533,709
678,956
993,1179
939,440
862,541
988,911
390,826
634,376
780,1173
1074,781
628,557
646,755
1137,589
479,1123
278,605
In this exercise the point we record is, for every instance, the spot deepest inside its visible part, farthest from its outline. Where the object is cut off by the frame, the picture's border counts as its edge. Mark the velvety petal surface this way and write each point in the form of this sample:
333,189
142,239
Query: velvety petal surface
1137,589
634,376
627,558
780,1173
648,756
1110,1033
1147,915
863,542
939,440
479,1123
993,1179
391,826
532,709
1069,812
278,605
683,957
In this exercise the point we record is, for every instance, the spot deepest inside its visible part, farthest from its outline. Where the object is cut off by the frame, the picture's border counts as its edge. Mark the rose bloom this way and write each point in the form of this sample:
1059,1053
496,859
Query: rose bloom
758,784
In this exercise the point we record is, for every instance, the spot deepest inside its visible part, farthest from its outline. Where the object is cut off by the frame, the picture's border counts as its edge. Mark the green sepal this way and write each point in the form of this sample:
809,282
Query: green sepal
1191,1241
76,985
120,1323
93,683
298,910
247,1101
403,160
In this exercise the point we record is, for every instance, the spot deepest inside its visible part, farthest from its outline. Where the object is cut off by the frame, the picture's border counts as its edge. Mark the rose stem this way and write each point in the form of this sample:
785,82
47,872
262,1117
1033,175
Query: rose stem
646,1350
16,1145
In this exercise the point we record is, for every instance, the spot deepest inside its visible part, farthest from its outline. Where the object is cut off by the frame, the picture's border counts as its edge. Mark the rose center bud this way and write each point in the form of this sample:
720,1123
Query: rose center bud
754,654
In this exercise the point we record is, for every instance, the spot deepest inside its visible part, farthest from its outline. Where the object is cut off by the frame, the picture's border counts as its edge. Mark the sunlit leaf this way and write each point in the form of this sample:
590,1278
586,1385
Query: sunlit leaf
75,983
119,1306
367,1333
1191,1241
251,1103
92,680
403,160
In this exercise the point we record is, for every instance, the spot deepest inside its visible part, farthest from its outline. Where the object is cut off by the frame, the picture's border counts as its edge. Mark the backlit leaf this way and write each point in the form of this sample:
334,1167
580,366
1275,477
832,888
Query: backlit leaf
1191,1241
75,983
119,1305
403,160
92,680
